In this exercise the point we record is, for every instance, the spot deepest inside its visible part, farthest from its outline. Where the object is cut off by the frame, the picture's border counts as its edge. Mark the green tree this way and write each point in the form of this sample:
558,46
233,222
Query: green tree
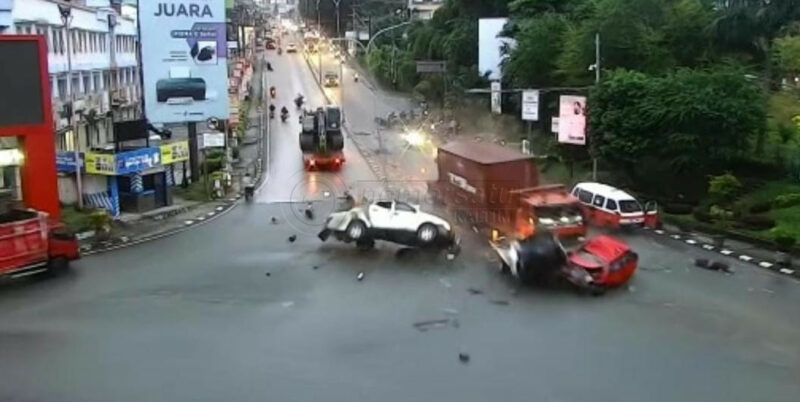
786,55
532,63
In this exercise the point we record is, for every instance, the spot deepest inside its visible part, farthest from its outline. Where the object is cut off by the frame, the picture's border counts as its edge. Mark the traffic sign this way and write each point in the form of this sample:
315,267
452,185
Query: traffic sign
530,105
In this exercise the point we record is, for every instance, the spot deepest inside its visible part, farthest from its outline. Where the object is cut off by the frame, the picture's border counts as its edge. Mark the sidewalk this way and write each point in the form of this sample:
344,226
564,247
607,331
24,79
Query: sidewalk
133,229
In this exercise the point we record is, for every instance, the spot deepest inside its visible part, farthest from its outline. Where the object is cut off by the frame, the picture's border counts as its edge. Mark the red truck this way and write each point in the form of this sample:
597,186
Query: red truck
499,187
31,243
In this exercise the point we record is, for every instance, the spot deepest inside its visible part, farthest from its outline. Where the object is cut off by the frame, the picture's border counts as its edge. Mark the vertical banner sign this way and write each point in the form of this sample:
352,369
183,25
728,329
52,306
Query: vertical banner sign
497,107
530,105
184,60
572,120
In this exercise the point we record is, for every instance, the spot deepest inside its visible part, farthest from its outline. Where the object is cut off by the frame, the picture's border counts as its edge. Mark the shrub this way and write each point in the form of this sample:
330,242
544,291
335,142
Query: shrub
702,215
724,188
760,207
100,220
678,209
756,222
786,200
783,238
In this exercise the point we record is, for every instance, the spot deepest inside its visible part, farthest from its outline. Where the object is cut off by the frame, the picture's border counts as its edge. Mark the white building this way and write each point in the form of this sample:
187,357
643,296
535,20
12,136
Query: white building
101,46
424,9
103,57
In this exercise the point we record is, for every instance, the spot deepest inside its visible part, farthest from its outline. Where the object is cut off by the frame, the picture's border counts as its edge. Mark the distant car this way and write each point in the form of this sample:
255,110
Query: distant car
331,80
270,45
608,260
394,221
291,48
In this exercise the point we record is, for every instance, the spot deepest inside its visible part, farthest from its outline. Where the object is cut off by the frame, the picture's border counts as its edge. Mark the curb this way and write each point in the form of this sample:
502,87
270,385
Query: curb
689,240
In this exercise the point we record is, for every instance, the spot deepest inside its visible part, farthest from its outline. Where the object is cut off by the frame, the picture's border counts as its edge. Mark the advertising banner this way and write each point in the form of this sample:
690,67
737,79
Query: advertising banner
100,164
138,160
175,152
184,60
572,120
65,161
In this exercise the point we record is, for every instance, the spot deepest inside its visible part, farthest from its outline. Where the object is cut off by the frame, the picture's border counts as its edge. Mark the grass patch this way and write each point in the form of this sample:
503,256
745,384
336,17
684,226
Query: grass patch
196,191
77,221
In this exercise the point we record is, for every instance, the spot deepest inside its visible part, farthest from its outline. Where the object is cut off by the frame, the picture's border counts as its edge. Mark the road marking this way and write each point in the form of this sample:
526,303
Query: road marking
787,271
765,264
201,218
745,258
676,237
220,208
708,247
211,213
189,222
690,241
726,252
660,231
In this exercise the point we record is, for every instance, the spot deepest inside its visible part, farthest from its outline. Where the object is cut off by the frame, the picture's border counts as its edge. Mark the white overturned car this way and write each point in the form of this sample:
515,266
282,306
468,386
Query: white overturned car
393,221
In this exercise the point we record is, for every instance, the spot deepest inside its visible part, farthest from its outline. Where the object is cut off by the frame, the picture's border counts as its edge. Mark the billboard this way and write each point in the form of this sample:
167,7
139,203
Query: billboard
184,60
490,45
572,120
21,83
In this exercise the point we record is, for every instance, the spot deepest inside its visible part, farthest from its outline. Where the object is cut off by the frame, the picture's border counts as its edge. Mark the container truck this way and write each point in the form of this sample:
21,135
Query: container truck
321,138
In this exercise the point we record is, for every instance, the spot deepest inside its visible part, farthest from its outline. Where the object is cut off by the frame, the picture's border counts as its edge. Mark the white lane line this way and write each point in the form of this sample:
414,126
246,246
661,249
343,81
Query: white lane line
660,231
189,222
201,218
211,213
676,237
690,241
708,247
745,258
726,252
787,271
220,208
765,264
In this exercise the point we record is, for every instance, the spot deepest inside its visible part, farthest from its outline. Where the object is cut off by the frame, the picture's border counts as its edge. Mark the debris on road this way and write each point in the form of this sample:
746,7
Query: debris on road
309,211
274,220
423,326
292,238
268,274
315,267
360,276
463,357
474,291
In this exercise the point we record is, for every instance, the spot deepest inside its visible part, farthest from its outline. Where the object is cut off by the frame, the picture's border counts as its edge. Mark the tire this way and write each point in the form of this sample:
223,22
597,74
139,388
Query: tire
306,142
336,142
427,233
57,266
356,230
365,244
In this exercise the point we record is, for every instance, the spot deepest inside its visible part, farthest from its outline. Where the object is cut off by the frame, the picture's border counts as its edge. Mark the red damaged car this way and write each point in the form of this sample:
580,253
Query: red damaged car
608,260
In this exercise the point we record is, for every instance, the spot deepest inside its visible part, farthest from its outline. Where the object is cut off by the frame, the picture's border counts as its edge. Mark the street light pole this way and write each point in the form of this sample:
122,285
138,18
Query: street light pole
66,19
338,30
596,82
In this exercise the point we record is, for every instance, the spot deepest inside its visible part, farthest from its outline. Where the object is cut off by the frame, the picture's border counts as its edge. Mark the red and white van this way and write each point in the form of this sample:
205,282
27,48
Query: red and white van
608,206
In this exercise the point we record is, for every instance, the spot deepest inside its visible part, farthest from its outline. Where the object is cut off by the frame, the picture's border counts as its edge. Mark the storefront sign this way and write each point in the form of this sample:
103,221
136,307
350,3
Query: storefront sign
65,161
100,163
184,59
213,140
11,157
138,160
175,152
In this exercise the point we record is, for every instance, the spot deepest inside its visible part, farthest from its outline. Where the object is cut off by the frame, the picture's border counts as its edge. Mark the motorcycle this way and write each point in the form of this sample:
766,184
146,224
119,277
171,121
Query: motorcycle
249,191
269,66
355,77
299,102
273,92
284,116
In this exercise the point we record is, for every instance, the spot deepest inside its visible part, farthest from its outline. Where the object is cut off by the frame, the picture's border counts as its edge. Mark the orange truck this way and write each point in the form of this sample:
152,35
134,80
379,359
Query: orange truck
31,243
498,187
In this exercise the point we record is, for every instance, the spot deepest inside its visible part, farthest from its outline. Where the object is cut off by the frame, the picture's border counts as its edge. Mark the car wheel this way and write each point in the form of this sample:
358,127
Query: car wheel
427,233
356,230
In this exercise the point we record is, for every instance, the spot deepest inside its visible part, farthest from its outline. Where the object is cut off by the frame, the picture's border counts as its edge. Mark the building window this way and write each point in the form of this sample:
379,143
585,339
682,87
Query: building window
73,37
76,84
87,83
60,39
62,88
106,84
97,85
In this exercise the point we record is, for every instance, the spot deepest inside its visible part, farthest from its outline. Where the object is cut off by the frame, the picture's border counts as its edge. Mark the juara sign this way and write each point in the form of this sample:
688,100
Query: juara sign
183,10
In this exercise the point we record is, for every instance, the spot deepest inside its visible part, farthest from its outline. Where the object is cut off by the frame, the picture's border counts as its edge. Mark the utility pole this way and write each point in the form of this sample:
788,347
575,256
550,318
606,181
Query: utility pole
596,82
338,29
66,19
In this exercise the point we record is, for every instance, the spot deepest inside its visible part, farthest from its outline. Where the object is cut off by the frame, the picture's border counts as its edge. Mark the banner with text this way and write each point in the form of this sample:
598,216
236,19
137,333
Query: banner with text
572,120
184,60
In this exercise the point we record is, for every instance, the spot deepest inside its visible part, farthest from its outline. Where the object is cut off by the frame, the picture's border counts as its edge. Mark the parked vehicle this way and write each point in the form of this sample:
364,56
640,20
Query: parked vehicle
291,47
498,187
394,221
30,243
608,206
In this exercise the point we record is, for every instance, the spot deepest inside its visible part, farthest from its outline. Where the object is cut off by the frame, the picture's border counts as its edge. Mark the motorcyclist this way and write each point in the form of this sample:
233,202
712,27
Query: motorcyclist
284,113
269,66
299,100
273,92
271,111
355,77
249,186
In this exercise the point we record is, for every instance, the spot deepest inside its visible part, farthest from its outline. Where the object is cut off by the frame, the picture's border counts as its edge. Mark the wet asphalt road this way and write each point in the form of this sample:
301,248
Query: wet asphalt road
232,310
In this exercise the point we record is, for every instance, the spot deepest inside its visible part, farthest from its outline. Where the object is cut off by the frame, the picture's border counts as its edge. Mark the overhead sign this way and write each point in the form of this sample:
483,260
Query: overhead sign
184,60
497,98
100,164
213,140
430,66
530,105
174,152
572,120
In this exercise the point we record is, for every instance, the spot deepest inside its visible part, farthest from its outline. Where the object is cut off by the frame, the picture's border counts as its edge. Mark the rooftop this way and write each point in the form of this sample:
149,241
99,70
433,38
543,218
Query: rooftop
485,153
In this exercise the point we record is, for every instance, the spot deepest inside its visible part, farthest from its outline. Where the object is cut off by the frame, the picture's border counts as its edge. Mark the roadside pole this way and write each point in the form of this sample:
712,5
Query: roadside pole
596,82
